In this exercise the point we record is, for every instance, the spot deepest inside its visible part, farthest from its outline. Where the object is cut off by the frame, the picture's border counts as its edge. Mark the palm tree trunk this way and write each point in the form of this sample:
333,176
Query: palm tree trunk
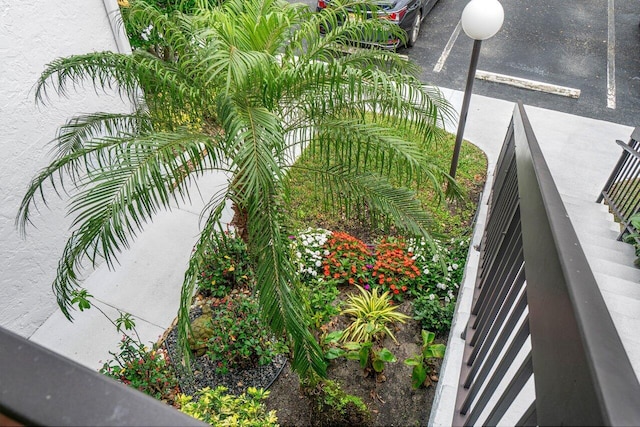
239,222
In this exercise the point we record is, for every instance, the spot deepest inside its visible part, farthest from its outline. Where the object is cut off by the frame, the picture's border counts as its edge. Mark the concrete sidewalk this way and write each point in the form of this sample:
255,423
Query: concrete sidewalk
147,282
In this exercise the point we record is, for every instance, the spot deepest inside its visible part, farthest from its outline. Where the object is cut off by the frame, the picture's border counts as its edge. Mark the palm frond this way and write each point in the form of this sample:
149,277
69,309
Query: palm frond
256,188
72,136
279,298
208,235
373,192
130,181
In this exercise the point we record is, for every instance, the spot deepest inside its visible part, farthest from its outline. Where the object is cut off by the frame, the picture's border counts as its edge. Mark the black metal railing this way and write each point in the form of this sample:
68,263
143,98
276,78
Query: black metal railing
622,190
40,387
540,345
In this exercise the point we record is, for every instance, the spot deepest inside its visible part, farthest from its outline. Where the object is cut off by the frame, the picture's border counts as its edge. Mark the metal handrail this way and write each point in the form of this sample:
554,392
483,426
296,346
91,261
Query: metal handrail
622,189
537,299
40,387
579,352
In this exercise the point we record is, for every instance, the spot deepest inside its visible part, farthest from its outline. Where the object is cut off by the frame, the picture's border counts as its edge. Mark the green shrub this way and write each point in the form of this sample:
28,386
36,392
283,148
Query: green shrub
217,408
332,406
239,337
318,292
309,250
226,267
143,369
634,238
434,314
372,313
441,266
320,297
421,362
372,358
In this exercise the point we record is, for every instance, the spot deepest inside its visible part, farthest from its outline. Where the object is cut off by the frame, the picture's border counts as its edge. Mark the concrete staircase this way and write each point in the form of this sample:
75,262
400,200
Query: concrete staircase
612,263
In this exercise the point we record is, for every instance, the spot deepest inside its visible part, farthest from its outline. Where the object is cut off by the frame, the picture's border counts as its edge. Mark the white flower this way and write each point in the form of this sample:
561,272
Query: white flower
318,263
432,297
455,266
441,286
435,258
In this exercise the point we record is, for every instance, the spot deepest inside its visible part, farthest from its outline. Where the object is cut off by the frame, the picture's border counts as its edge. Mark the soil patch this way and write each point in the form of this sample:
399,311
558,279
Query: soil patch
392,402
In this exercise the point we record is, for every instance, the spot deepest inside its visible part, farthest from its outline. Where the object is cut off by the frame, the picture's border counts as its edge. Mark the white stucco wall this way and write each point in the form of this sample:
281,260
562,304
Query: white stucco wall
33,33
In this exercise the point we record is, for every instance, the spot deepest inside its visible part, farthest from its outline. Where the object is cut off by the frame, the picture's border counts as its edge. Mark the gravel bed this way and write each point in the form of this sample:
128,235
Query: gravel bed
236,381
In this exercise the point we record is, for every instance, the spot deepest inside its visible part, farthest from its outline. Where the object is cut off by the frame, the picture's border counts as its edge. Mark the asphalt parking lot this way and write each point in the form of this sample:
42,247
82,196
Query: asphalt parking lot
586,47
586,50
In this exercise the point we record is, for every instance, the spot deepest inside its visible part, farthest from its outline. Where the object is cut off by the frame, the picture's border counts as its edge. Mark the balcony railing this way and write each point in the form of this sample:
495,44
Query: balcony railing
540,345
39,387
622,190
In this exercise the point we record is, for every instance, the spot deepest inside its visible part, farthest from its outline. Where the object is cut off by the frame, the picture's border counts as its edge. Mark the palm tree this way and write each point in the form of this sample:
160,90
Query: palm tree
248,84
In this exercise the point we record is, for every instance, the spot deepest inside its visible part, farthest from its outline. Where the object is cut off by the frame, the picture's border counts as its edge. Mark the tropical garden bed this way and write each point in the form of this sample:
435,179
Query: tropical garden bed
242,87
234,349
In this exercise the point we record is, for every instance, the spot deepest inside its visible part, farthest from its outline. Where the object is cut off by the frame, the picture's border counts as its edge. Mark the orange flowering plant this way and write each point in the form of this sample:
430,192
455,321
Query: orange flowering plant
349,260
395,270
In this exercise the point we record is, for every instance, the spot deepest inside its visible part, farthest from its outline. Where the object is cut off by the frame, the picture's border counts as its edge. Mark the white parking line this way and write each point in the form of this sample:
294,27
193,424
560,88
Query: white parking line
447,48
528,84
611,56
525,83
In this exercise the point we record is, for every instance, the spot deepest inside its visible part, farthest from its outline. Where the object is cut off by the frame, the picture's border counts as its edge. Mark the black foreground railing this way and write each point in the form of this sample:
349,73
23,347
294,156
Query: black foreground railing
39,387
540,345
622,190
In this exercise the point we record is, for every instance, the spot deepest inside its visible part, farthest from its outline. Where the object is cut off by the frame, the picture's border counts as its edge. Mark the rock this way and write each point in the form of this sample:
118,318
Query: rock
202,331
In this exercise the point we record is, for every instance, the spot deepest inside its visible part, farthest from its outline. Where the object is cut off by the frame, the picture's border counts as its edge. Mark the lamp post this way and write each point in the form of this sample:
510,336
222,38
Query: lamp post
481,20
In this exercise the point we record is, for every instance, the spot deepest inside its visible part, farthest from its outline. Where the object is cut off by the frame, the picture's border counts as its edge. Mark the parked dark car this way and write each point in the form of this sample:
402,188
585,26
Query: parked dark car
407,14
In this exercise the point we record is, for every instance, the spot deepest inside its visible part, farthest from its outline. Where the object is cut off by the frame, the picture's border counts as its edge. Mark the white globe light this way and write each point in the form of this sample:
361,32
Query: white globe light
482,19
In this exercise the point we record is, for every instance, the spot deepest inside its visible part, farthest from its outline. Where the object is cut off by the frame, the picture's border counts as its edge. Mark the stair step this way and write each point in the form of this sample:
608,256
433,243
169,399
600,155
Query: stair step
588,207
626,314
603,230
616,285
579,215
609,241
622,253
568,199
627,326
593,220
615,269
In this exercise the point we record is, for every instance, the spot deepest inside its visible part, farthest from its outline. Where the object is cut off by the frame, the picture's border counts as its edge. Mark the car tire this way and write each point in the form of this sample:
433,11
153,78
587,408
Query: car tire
412,37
